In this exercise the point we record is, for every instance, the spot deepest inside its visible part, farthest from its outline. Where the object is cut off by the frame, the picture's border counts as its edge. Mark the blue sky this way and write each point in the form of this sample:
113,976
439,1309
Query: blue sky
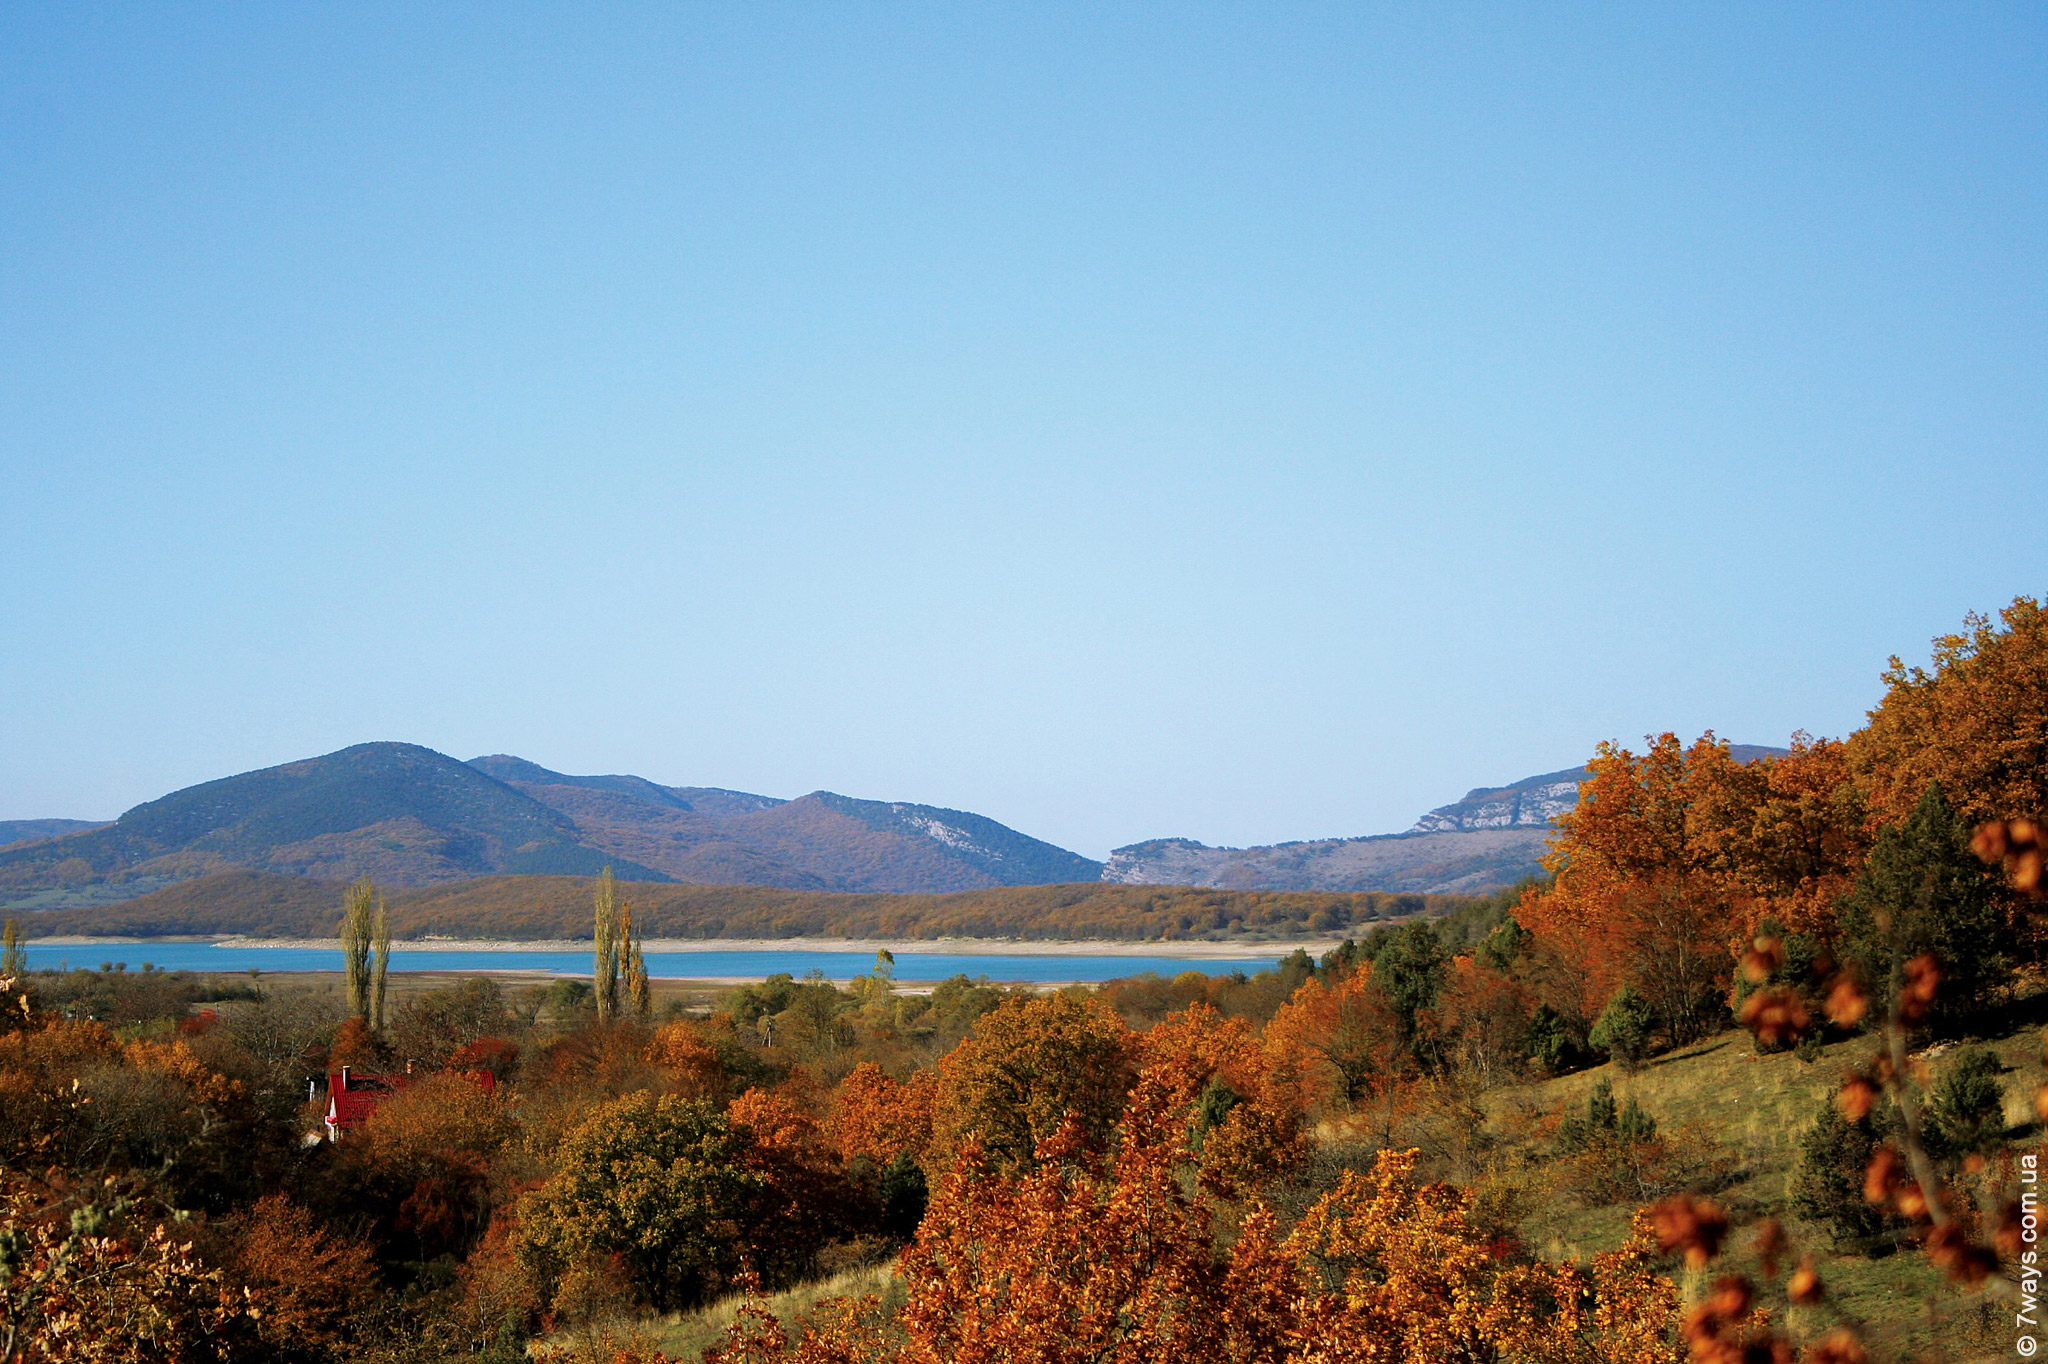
1244,423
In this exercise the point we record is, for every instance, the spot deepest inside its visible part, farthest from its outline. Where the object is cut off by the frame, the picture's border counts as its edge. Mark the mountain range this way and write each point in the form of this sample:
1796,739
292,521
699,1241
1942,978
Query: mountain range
411,817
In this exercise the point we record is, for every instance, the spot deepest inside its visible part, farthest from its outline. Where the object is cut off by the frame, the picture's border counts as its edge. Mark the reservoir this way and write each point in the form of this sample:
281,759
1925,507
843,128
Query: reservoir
707,963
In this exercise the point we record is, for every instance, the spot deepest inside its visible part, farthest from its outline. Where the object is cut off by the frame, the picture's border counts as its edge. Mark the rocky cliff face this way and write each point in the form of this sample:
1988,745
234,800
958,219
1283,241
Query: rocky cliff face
1533,803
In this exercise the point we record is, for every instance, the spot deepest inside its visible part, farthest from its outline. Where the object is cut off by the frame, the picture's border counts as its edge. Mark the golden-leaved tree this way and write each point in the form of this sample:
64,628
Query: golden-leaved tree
1976,722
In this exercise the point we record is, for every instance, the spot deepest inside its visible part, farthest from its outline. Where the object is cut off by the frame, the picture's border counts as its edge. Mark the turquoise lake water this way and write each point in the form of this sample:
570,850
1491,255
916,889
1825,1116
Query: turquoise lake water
693,964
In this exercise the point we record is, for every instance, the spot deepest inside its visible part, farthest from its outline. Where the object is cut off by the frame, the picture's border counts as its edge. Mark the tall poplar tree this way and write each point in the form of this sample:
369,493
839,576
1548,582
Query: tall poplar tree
381,936
356,910
13,957
637,988
605,947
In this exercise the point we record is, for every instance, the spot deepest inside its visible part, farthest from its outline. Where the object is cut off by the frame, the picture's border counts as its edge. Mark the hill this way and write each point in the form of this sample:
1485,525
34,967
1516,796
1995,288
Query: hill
404,814
414,818
1494,837
531,907
822,841
411,817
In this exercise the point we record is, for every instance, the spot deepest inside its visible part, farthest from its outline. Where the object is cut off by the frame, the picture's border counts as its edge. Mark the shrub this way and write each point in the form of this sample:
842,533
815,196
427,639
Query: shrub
1623,1028
1967,1111
1553,1042
1603,1123
1828,1187
1611,1153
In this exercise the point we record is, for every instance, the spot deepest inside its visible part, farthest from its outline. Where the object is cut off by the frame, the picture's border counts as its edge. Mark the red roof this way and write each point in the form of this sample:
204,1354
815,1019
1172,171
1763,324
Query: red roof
351,1097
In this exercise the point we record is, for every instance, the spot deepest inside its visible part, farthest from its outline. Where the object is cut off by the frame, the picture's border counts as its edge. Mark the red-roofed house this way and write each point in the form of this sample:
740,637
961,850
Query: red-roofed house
351,1097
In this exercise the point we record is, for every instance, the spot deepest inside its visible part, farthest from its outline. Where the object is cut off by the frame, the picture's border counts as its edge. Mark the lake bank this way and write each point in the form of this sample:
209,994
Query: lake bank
1191,949
728,961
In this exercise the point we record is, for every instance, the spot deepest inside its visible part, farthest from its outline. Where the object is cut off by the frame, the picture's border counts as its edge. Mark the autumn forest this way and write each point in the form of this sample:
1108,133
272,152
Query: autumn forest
1754,1072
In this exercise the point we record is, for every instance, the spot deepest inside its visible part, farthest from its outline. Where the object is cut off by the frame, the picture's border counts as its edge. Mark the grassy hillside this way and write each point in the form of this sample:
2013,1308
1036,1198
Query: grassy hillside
1726,1108
559,907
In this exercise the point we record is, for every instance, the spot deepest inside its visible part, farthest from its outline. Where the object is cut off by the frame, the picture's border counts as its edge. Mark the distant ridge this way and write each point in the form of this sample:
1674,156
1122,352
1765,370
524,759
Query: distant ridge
1494,837
1453,862
401,813
27,830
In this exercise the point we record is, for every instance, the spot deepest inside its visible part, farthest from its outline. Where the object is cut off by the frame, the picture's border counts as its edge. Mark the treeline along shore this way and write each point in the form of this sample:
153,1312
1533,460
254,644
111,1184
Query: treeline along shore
530,908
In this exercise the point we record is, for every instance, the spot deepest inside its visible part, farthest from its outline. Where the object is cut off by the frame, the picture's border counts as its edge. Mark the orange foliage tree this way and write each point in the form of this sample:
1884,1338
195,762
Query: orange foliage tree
878,1118
1483,1019
681,1049
1642,894
426,1153
38,1063
309,1282
1246,1123
1087,1254
802,1199
1405,1274
1676,859
1784,835
1334,1045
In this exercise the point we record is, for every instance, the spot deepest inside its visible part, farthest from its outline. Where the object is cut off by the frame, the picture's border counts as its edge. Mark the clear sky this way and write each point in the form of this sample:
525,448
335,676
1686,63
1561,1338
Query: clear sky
1245,423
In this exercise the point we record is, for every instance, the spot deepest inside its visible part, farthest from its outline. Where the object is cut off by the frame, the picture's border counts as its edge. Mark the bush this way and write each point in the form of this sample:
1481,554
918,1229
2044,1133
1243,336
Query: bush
1967,1112
1611,1153
1553,1042
1623,1028
1829,1185
1603,1124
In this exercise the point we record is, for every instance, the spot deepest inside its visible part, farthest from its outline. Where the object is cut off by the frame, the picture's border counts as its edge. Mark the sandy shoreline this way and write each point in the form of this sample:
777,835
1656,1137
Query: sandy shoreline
1004,947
